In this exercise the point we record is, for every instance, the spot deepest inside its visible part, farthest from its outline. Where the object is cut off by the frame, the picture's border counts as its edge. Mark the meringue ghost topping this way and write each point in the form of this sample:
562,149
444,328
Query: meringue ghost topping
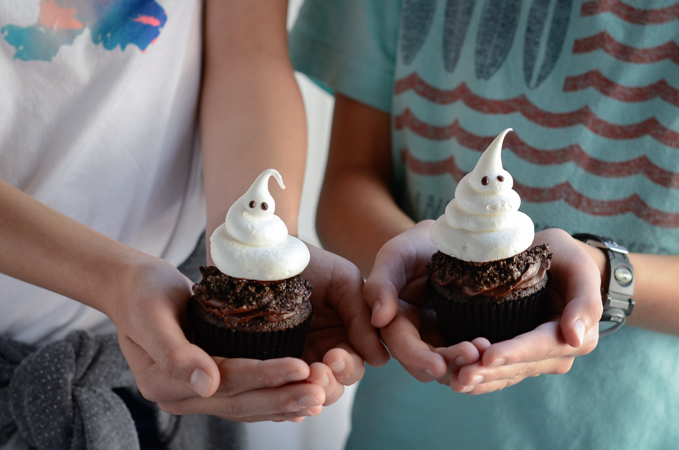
483,222
253,242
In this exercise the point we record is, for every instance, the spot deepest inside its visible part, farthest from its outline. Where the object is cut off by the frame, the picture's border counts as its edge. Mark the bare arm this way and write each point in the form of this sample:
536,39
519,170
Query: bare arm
657,300
356,211
251,115
252,118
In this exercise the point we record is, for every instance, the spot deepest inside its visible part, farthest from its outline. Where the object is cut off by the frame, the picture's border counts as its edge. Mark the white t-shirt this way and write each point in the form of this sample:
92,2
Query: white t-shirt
98,104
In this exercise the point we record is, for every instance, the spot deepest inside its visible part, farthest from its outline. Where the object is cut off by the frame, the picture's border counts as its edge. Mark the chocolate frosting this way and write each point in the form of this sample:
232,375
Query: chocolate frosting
238,300
494,278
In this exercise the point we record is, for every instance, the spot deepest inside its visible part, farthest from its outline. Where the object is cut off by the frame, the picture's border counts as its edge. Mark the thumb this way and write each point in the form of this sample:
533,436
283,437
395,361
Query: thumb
166,366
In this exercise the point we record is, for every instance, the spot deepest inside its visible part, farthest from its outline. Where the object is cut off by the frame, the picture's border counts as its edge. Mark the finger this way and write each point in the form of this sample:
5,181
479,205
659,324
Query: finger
401,259
355,314
157,384
481,344
498,379
296,417
404,343
343,291
545,342
347,366
240,375
380,292
516,372
322,376
572,261
459,355
163,339
269,402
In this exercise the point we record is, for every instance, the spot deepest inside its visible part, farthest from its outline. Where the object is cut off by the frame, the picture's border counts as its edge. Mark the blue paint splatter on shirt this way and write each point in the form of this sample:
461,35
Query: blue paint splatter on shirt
112,24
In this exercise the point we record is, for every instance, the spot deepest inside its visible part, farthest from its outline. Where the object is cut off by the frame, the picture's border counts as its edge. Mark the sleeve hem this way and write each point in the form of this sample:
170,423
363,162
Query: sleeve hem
342,73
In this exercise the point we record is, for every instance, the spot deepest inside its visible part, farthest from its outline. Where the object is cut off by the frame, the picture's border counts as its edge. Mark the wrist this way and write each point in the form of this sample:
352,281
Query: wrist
129,273
618,286
599,257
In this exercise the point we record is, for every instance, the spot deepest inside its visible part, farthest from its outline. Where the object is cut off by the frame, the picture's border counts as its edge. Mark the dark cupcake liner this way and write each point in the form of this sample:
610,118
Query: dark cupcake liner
466,320
230,343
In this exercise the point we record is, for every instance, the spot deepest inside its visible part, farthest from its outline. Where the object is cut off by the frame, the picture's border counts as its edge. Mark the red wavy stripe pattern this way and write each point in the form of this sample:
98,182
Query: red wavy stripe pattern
583,116
604,41
596,80
563,191
631,14
571,154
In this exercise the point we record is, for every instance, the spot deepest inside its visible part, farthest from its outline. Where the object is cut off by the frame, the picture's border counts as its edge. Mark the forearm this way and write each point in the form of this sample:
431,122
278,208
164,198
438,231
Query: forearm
357,215
44,247
251,114
655,294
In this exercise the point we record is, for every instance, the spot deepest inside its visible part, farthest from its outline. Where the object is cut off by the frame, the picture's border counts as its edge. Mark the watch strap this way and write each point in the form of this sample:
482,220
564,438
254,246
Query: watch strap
618,288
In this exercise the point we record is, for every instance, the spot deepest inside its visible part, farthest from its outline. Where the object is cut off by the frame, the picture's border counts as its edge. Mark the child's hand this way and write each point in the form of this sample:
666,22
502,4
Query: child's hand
553,346
411,332
183,379
397,294
340,334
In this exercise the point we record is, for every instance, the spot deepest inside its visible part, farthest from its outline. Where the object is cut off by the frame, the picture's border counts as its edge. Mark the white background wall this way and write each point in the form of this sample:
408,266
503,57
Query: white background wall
327,431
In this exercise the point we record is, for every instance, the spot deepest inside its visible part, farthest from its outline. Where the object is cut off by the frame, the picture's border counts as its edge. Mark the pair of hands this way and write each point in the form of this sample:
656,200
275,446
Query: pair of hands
397,294
183,379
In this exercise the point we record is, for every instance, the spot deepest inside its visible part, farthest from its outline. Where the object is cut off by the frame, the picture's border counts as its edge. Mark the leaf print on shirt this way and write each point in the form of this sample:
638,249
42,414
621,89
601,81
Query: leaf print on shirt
458,16
535,32
417,19
112,23
499,20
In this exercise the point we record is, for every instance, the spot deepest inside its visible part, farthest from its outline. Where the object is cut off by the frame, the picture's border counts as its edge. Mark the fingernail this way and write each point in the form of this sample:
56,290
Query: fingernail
305,413
338,365
200,381
579,327
429,372
461,361
323,382
294,376
308,401
376,306
498,362
477,380
467,389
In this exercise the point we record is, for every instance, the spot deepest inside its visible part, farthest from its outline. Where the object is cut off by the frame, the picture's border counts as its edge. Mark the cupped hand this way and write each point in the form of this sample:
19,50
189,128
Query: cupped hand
551,348
397,294
183,379
340,336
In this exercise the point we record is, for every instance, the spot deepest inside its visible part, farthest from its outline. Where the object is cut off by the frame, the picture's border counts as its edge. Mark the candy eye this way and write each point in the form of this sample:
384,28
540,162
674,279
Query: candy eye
252,204
485,181
265,206
500,178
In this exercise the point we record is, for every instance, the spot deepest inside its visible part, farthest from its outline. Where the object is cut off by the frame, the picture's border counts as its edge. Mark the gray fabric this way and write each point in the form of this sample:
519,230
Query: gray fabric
191,267
207,433
60,396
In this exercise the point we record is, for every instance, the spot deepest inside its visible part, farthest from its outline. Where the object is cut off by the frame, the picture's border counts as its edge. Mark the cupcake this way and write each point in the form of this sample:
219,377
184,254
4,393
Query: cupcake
254,303
486,279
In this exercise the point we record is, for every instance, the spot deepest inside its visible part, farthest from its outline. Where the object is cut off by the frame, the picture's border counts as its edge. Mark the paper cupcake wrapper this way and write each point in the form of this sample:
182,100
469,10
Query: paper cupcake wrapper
466,320
229,343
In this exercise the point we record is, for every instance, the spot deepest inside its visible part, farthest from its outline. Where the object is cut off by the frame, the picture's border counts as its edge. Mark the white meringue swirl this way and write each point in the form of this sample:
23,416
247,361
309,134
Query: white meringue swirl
253,242
483,222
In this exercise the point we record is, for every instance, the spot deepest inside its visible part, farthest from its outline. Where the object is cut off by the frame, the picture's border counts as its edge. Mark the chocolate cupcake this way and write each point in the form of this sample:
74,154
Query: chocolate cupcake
486,280
254,303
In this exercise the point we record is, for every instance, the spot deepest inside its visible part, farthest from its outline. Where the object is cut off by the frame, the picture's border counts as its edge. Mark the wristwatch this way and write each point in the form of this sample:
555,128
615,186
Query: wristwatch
618,289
